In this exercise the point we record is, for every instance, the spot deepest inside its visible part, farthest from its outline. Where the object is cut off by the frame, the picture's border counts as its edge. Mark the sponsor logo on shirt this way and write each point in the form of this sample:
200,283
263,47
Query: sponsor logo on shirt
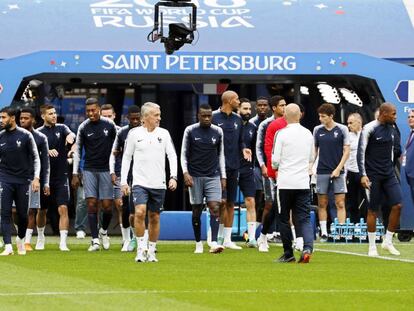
378,138
89,134
139,140
220,124
1,145
320,135
197,138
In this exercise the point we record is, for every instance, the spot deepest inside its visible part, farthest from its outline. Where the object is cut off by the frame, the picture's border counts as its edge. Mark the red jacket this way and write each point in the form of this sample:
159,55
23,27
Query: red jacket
273,127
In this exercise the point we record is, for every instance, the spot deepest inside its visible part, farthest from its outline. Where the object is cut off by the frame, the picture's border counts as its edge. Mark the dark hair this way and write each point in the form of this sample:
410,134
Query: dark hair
107,107
275,100
204,106
91,101
45,107
263,98
28,110
9,110
244,100
134,109
327,109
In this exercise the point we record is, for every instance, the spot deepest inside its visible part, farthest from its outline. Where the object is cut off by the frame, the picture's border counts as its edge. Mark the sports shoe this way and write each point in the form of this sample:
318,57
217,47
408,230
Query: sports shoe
132,245
390,248
21,249
64,248
298,245
8,250
252,244
151,257
286,258
199,248
40,244
324,238
263,246
372,252
1,244
80,234
95,246
231,245
103,236
125,246
274,239
28,247
216,248
141,256
305,257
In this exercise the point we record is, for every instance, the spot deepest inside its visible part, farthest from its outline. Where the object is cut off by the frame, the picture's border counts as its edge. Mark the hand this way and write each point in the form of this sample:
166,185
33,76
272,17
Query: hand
75,181
247,154
35,184
53,153
71,153
70,139
113,179
46,191
264,171
188,180
335,173
116,152
365,182
223,184
172,184
125,190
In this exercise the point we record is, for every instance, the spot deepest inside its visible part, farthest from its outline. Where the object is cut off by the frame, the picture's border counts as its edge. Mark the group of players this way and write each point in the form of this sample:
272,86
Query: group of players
225,150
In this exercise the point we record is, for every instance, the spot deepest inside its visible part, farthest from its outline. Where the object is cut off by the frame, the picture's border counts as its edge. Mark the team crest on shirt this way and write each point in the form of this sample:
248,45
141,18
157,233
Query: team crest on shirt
18,143
105,131
159,140
336,134
213,140
251,133
57,135
236,125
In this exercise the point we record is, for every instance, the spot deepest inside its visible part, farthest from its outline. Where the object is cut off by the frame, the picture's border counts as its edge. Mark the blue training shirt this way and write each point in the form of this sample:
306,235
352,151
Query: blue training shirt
331,146
376,150
249,138
19,158
232,127
56,139
97,138
202,151
118,146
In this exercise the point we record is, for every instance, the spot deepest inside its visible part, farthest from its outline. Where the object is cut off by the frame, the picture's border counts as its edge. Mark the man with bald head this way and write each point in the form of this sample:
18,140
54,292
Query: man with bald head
292,156
375,163
234,148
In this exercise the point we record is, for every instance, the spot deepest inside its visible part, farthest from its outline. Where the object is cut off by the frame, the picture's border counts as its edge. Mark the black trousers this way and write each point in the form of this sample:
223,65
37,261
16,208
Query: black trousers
354,197
297,201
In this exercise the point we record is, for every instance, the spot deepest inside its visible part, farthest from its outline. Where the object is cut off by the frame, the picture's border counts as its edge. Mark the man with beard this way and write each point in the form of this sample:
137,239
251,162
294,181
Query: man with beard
19,166
203,165
246,172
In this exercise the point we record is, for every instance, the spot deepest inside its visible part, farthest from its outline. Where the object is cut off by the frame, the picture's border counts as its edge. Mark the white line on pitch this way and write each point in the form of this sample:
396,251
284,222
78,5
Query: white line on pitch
364,255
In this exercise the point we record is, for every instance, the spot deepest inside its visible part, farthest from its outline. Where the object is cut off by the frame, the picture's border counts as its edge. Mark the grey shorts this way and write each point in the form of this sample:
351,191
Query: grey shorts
324,183
152,198
268,189
98,185
208,187
258,178
117,189
34,198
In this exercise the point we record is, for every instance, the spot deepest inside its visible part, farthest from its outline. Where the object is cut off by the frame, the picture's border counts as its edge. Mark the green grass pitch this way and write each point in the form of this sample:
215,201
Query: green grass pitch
181,280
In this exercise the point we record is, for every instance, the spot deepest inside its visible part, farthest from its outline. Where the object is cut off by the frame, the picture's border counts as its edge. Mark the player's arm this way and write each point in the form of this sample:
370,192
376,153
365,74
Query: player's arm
127,155
185,151
36,163
172,160
45,165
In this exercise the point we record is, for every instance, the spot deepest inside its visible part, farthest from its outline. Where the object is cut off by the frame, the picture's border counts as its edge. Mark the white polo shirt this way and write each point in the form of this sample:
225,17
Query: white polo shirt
148,149
352,163
291,155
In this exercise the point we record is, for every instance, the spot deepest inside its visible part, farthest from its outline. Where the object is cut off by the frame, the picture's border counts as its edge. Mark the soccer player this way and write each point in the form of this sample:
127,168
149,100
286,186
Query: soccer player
292,156
19,166
332,147
96,136
108,111
262,111
246,172
115,161
203,165
277,104
58,137
232,127
27,121
375,163
148,145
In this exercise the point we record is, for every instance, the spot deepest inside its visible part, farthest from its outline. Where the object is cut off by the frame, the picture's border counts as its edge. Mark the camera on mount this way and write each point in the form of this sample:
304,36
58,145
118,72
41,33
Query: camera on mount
179,33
